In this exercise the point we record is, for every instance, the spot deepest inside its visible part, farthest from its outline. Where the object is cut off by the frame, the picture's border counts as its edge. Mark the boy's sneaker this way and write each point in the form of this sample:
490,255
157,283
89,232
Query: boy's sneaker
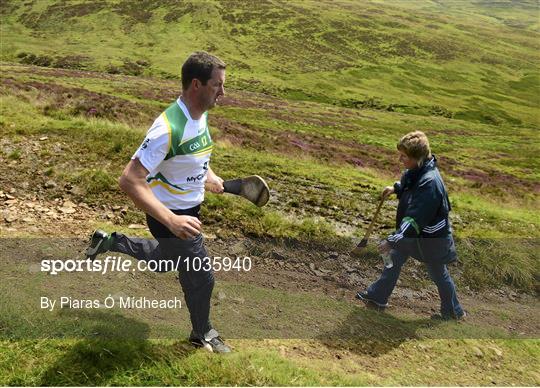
211,342
99,243
447,317
370,302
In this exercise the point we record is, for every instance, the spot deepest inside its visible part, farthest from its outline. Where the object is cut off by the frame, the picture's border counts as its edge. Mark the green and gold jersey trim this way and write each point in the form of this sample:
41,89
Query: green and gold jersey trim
176,120
160,180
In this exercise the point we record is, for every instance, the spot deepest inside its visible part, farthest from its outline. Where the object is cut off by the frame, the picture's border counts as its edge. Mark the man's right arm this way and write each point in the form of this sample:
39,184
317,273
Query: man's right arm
133,183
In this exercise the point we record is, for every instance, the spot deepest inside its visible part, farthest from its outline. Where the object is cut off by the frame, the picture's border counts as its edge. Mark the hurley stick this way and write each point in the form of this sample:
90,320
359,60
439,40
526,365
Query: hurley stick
362,244
253,188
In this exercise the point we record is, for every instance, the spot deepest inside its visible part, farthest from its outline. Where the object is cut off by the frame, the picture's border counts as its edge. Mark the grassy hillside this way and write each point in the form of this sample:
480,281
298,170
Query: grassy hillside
330,189
77,129
317,95
471,60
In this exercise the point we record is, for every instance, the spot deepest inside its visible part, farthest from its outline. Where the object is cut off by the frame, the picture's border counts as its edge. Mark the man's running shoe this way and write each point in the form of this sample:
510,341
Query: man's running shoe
370,302
211,342
99,243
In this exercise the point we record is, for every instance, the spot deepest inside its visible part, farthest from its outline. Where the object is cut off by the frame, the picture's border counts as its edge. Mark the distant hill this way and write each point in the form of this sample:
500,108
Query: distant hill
472,60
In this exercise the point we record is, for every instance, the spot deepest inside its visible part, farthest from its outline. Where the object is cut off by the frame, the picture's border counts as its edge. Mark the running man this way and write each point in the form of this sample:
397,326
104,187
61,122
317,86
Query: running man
166,178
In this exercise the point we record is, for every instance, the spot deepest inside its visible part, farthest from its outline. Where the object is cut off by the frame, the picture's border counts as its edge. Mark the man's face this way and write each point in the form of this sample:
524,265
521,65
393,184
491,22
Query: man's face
213,90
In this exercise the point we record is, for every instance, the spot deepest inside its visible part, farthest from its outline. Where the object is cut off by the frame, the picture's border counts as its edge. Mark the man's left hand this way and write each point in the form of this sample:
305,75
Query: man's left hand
214,184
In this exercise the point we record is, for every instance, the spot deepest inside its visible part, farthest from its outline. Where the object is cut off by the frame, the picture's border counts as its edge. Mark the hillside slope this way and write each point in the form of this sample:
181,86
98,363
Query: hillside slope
317,95
471,60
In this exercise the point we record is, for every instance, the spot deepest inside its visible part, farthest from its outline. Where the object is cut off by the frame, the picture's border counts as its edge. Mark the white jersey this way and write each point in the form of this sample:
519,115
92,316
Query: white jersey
176,152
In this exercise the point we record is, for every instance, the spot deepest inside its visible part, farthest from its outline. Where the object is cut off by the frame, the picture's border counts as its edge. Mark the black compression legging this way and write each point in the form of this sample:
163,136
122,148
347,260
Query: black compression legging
196,285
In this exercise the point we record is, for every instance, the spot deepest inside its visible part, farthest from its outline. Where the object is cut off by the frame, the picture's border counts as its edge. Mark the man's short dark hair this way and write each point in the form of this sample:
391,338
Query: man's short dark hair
199,66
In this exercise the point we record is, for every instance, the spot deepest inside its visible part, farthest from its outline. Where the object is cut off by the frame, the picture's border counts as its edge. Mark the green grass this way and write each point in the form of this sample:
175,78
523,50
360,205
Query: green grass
406,55
15,155
279,337
71,362
94,181
154,363
464,147
342,344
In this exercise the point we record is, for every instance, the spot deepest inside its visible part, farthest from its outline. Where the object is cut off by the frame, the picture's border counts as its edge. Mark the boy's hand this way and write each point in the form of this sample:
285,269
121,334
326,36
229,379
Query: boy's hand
388,190
384,247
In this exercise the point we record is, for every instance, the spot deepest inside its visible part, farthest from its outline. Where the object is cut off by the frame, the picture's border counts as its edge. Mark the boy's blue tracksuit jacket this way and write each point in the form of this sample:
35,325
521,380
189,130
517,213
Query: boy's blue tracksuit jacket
423,228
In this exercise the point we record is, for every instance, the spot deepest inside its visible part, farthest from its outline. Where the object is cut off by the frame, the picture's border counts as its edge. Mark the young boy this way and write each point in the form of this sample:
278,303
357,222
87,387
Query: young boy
423,228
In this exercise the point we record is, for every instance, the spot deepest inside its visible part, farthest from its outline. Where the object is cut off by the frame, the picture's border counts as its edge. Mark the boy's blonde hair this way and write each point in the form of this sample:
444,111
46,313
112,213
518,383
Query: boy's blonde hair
416,146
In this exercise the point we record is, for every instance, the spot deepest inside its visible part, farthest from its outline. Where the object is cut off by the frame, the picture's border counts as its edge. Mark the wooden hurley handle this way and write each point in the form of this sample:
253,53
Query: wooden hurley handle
370,228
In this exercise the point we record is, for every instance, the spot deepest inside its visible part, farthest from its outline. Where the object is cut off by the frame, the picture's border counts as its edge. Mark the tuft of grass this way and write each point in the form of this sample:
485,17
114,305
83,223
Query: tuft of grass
492,262
94,181
237,213
15,154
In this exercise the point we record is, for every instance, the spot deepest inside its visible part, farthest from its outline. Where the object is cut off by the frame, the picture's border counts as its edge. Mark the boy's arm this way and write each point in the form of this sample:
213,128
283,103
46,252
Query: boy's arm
422,209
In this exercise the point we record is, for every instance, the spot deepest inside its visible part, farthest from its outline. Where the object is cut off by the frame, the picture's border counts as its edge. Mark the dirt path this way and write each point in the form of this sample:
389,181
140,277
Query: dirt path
287,266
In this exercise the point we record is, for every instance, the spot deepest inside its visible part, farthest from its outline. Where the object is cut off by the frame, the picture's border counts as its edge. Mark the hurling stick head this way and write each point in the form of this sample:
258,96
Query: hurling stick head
253,188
